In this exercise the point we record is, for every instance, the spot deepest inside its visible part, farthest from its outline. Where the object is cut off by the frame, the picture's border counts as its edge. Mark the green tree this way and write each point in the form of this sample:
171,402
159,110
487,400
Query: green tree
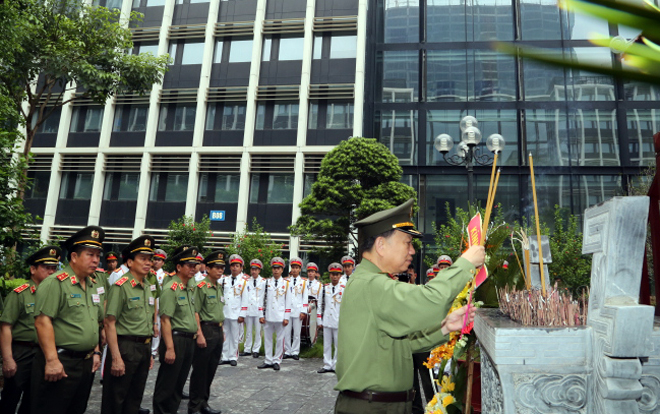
255,243
569,266
358,177
186,231
50,47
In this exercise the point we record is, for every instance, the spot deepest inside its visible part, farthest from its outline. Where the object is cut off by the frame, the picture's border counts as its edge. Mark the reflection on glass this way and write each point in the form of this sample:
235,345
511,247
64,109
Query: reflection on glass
137,118
642,124
445,21
589,86
343,47
151,3
76,185
193,54
280,189
446,76
285,116
397,130
217,56
547,137
492,76
176,187
310,179
540,20
233,117
339,116
291,48
441,122
442,190
637,91
153,49
318,47
489,20
582,26
51,124
594,139
543,82
225,187
92,118
121,186
589,190
400,71
254,188
401,21
551,190
184,117
313,122
240,51
266,50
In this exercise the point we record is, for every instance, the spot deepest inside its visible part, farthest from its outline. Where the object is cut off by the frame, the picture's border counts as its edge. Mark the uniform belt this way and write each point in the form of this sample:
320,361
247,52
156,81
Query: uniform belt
135,338
184,334
25,343
386,397
209,323
75,354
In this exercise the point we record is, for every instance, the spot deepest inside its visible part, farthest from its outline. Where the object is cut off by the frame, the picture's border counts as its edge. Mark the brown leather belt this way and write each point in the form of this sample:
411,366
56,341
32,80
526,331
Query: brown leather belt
184,334
25,343
134,338
386,397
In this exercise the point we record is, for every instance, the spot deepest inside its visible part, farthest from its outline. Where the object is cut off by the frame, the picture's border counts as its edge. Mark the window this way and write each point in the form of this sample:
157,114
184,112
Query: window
336,47
40,184
279,191
281,115
147,48
110,4
51,124
401,21
217,55
331,115
225,116
76,185
121,186
177,117
130,118
187,53
172,187
286,48
400,76
240,51
86,119
218,188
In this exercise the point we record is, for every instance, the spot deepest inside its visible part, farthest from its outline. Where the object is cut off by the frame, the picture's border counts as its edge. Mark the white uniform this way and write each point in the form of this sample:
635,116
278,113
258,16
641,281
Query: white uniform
314,288
328,316
160,276
277,308
298,290
114,276
233,288
199,276
253,303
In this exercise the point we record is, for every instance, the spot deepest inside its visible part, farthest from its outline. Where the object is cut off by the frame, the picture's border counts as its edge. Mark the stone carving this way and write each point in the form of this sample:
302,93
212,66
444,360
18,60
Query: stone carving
552,394
491,388
535,261
649,401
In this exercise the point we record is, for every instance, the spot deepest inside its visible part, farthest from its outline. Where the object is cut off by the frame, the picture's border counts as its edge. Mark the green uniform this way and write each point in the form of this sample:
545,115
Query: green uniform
76,314
19,314
176,301
154,286
205,360
132,304
383,322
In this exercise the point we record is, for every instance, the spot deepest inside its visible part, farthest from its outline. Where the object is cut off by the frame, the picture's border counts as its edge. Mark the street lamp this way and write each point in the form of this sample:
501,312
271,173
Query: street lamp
468,152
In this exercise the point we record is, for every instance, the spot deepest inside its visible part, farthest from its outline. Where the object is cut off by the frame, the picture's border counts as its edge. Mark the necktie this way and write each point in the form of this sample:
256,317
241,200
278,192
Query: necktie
294,281
255,282
333,289
275,283
347,277
232,280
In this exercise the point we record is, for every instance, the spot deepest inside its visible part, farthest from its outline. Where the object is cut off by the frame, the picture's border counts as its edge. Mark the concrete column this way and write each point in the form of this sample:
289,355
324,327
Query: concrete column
360,63
143,196
255,67
97,191
299,184
193,182
308,46
244,194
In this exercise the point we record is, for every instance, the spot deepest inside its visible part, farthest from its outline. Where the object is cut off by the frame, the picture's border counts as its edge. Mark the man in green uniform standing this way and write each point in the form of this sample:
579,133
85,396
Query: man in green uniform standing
383,322
67,316
129,328
209,307
18,338
178,328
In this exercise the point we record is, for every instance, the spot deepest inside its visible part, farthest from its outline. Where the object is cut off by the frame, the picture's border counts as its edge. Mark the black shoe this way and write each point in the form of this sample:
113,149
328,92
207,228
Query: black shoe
244,354
223,363
287,356
331,370
185,396
209,410
276,367
295,357
233,363
143,411
323,371
265,365
255,355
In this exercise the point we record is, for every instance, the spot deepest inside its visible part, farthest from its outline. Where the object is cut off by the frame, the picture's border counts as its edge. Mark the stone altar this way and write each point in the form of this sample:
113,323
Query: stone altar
609,366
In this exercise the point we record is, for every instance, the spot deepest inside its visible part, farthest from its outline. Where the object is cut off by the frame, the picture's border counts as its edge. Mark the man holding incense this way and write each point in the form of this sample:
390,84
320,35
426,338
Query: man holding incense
384,322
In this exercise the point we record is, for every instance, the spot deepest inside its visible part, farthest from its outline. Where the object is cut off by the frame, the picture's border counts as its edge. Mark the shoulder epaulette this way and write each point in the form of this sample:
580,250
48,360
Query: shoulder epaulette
121,281
327,284
343,286
304,278
174,286
201,284
22,287
62,277
153,272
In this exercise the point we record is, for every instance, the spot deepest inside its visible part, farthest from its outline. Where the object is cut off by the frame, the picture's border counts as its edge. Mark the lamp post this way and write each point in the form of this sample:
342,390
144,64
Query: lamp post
467,152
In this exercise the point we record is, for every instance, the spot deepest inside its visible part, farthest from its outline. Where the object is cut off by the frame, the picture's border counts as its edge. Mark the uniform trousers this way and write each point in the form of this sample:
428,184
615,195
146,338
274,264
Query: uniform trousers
156,341
348,405
204,366
68,395
19,384
252,323
330,336
172,377
292,331
426,385
123,394
271,328
230,348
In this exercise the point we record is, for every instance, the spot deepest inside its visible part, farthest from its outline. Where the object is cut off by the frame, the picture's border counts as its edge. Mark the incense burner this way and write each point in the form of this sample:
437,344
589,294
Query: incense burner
609,366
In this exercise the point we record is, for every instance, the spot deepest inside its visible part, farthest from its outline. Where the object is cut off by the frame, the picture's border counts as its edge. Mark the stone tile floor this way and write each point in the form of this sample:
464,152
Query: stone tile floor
244,389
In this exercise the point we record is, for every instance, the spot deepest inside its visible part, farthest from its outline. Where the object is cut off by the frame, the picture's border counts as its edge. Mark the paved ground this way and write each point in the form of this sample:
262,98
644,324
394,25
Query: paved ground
244,389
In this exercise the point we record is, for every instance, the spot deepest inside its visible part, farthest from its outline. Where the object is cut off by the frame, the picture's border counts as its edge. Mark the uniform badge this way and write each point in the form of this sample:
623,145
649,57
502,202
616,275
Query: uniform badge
100,290
95,234
62,277
74,280
151,301
208,285
96,298
201,284
33,288
121,281
174,286
147,242
181,286
21,288
133,282
153,288
52,252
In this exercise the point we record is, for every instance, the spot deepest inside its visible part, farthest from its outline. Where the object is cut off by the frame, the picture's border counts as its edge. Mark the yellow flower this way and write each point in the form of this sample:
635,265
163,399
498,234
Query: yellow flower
447,400
447,385
434,401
